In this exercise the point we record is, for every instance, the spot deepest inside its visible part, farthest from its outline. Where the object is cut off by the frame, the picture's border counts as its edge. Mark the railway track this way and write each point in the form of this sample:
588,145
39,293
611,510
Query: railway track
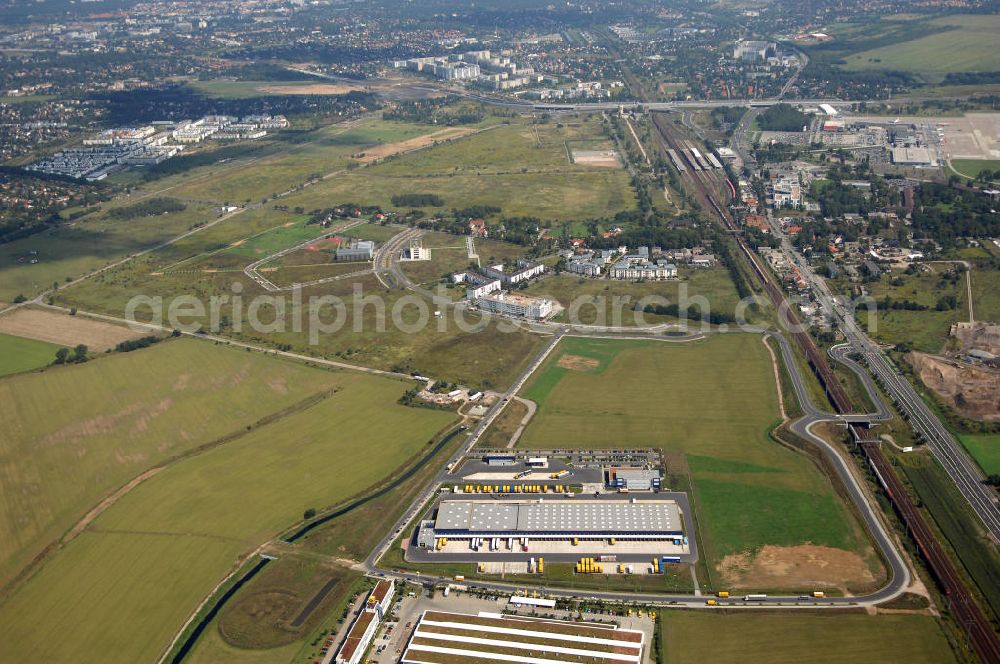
980,631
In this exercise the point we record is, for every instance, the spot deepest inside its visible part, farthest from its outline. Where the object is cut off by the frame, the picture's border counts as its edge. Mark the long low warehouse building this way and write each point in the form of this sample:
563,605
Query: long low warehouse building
456,638
555,519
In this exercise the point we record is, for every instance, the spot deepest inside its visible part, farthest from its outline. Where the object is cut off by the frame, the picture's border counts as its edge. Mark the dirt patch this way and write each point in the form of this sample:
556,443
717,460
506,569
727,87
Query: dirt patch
325,243
65,330
973,391
139,415
601,158
578,363
804,566
978,336
316,89
382,151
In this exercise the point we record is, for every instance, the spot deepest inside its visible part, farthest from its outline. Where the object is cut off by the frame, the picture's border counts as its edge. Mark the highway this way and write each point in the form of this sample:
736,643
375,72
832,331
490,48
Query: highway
963,471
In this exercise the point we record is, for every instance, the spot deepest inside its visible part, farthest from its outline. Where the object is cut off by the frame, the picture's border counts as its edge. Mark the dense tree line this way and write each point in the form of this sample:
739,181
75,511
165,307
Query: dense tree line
971,78
147,208
417,200
713,317
434,111
135,344
944,213
176,102
782,117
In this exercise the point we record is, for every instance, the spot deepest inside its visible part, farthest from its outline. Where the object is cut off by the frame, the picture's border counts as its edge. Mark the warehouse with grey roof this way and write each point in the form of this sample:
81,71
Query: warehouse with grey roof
556,519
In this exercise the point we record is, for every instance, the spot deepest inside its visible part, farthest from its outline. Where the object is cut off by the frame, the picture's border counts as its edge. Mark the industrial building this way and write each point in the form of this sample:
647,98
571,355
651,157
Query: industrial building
558,519
356,250
460,638
364,627
913,156
634,479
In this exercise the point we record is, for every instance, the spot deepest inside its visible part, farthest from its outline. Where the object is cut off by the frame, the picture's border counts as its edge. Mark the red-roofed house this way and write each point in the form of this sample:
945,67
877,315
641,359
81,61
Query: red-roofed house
478,228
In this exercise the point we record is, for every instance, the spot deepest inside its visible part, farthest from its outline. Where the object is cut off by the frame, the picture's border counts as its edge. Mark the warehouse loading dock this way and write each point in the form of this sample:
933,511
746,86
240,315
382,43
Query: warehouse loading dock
508,529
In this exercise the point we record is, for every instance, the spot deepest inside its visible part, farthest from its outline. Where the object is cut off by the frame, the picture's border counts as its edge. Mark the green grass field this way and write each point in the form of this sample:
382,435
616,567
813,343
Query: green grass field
961,531
272,166
962,43
985,449
787,638
488,359
715,402
923,330
971,167
18,354
291,159
523,169
71,251
74,434
714,284
128,582
449,254
300,581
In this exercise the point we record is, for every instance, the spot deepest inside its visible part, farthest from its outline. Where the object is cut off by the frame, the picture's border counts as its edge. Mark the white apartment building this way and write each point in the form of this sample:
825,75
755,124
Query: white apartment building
515,304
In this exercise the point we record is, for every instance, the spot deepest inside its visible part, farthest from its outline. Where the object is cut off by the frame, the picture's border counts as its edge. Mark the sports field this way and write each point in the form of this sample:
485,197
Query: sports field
75,434
18,354
764,511
787,638
127,583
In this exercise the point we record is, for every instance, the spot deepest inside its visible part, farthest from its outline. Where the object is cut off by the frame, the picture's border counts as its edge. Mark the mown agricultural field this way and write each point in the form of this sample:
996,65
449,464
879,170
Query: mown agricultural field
74,434
128,582
18,354
711,404
694,636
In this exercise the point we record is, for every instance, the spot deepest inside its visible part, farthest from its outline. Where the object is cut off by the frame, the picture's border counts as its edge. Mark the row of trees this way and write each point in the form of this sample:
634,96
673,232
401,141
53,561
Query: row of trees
148,208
